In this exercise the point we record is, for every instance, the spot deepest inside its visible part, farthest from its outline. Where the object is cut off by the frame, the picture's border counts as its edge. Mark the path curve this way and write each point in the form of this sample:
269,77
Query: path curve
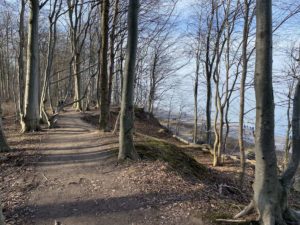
75,178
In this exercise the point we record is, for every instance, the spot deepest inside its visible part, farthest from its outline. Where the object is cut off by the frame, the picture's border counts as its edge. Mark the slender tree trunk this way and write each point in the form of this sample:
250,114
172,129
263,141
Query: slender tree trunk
77,82
288,131
127,149
242,91
152,85
208,110
31,100
196,84
112,50
21,59
208,71
48,69
216,159
104,103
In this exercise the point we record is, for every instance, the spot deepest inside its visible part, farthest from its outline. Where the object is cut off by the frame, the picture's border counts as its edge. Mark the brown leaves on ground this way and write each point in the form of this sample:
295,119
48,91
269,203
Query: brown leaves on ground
16,170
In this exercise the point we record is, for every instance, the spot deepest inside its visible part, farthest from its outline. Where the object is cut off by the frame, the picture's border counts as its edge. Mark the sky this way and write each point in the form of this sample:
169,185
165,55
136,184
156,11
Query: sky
283,39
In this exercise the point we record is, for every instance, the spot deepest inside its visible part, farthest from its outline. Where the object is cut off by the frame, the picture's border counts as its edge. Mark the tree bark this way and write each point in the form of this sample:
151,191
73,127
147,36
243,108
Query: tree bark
288,131
30,122
127,149
104,103
270,193
196,84
21,59
3,144
53,17
242,90
266,185
112,51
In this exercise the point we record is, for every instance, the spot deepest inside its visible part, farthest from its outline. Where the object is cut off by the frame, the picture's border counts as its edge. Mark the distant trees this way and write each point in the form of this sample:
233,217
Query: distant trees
126,149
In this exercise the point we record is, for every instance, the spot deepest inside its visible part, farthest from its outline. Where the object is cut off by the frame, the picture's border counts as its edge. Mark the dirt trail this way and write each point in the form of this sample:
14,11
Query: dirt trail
76,179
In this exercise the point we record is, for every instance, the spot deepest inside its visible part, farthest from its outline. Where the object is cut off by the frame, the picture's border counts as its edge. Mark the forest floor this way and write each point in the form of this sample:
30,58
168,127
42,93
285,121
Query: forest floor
71,174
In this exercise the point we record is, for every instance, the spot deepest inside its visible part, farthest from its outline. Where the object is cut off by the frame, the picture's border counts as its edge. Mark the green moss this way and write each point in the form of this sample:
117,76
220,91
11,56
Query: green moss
178,160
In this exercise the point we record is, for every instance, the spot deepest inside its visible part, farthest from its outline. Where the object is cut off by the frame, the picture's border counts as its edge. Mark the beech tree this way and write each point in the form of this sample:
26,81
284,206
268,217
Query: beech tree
248,17
271,191
104,102
30,119
126,149
21,58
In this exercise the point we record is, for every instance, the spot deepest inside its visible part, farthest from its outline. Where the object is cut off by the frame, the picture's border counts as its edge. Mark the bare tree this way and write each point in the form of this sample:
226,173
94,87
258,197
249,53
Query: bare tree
127,149
30,119
270,191
53,18
245,58
104,102
21,57
78,34
112,38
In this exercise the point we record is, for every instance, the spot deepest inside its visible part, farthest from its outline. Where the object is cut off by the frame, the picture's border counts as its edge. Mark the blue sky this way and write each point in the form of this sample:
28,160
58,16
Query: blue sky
286,36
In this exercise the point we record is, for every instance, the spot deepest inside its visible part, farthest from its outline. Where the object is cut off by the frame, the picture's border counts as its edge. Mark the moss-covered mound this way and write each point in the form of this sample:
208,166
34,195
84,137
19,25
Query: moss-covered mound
152,149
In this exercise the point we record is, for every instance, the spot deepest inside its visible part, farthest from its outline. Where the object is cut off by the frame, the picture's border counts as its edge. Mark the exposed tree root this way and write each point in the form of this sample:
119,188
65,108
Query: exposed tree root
292,217
231,221
246,211
289,217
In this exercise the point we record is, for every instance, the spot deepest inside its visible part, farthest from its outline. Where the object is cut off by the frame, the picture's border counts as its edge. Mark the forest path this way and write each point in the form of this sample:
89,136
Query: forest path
76,178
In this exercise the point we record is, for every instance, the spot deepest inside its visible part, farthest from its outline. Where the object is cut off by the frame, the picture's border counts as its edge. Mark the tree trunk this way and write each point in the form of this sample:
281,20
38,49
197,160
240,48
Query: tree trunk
127,149
196,84
216,159
112,51
242,91
3,144
266,185
270,193
49,62
77,83
104,103
288,131
21,59
208,110
30,122
152,90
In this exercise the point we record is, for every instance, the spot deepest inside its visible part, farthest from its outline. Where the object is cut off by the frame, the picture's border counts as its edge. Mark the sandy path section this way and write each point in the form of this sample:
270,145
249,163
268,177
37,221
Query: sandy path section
76,179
